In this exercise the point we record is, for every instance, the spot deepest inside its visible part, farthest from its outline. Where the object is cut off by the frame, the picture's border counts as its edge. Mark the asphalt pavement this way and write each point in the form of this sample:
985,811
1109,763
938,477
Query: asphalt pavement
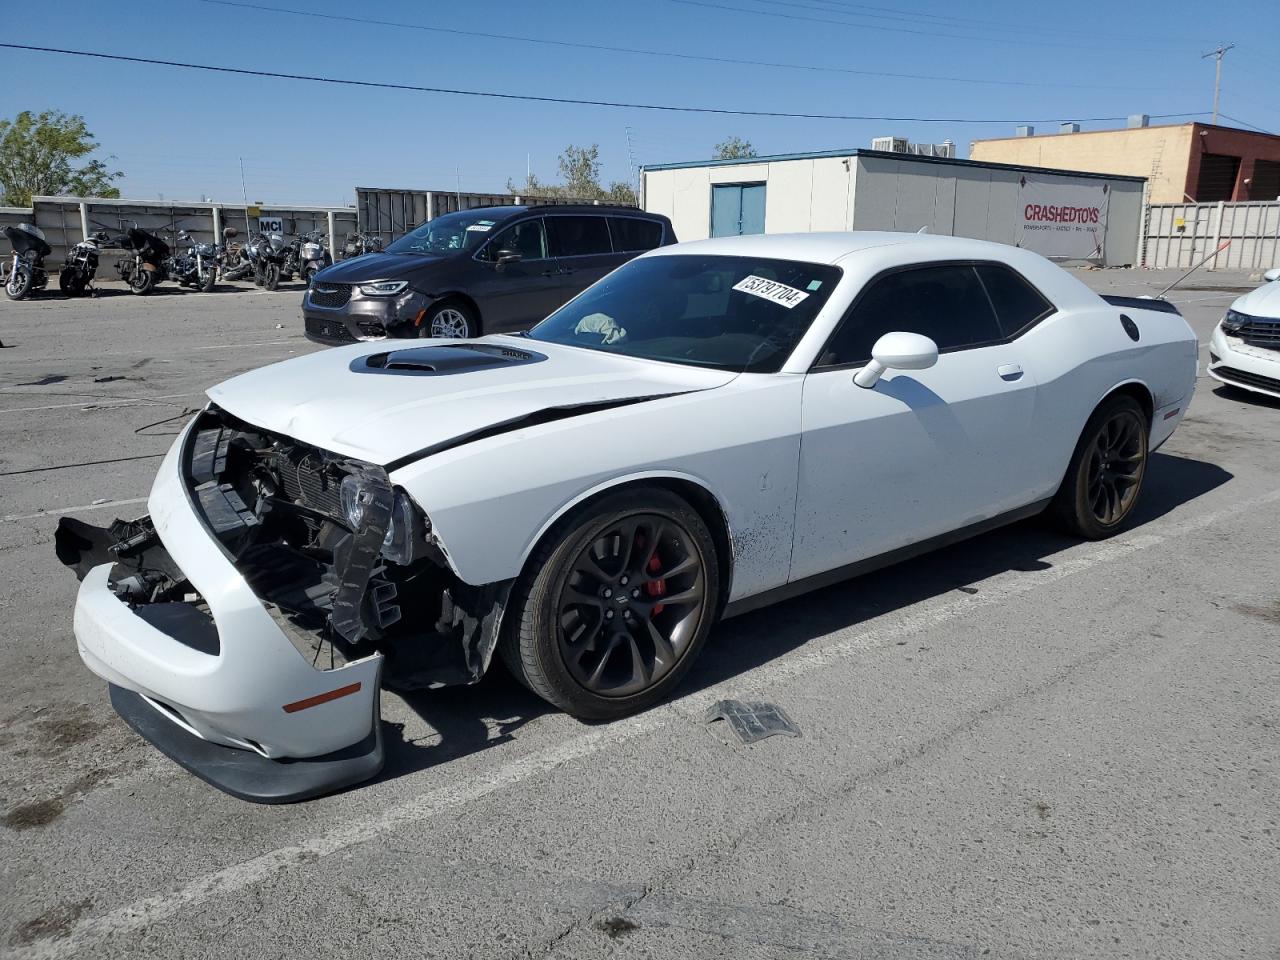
1021,746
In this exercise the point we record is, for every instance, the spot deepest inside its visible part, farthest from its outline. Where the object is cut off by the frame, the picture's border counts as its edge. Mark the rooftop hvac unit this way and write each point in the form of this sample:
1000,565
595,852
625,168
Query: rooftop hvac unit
1069,128
890,144
1024,130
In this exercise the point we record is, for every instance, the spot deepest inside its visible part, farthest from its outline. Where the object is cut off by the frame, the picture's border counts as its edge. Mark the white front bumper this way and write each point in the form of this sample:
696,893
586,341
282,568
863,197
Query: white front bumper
1260,367
236,697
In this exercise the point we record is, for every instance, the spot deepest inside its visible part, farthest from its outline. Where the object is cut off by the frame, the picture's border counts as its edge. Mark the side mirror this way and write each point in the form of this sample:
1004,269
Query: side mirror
1271,276
504,256
897,351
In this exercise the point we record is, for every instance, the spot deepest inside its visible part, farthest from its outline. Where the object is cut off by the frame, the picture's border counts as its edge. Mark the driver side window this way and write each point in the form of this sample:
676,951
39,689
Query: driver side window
527,238
946,303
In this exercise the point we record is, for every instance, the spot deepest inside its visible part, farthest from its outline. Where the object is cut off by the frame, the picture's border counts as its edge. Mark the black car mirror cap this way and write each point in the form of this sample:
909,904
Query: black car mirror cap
503,257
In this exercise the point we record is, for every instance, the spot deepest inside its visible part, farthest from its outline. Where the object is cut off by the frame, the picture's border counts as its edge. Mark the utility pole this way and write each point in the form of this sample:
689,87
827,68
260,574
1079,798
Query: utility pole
1217,54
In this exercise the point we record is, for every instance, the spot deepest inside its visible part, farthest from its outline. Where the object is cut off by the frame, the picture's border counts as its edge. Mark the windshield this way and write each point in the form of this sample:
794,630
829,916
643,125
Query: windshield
731,313
464,230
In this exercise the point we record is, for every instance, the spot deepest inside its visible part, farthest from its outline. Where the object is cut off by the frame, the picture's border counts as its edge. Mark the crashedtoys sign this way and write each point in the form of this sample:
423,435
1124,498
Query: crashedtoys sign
1062,219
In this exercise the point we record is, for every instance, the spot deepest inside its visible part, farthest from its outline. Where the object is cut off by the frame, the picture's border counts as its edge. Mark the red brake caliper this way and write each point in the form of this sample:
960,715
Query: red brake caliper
655,588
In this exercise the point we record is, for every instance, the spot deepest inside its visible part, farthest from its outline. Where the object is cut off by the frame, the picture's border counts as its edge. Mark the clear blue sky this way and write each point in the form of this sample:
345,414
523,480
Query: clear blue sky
180,133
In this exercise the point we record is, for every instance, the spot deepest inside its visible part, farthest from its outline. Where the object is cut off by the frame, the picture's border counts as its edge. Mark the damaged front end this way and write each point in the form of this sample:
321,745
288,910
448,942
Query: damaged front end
270,566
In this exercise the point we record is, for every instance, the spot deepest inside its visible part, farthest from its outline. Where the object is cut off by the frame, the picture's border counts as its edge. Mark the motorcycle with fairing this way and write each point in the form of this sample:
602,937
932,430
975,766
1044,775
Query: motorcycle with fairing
24,271
75,279
146,263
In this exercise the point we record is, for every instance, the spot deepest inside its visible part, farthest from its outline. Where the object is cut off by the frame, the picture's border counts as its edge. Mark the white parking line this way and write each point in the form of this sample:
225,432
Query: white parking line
89,401
59,511
841,645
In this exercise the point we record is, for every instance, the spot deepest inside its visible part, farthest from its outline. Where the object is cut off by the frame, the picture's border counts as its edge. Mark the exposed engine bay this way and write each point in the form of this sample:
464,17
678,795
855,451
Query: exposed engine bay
345,562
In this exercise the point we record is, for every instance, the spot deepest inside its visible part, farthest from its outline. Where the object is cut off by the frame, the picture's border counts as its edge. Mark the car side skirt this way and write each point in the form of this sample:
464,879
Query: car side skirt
870,564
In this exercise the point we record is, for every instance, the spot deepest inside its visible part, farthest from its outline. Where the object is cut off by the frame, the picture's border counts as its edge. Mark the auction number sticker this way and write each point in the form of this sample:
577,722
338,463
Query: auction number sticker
771,290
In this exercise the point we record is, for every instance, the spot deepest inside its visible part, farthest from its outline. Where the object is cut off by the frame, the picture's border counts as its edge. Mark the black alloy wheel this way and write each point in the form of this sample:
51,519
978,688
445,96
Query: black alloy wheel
614,604
631,605
1105,476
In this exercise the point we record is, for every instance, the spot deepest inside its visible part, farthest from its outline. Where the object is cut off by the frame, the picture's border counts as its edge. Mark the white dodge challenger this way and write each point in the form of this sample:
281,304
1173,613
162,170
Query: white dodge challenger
712,427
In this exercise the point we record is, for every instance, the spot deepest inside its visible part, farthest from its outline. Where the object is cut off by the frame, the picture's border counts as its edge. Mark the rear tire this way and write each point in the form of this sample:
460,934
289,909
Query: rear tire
614,605
1105,475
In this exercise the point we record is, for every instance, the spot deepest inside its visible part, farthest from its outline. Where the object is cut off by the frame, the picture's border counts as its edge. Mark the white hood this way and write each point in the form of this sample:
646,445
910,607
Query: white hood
331,400
1263,302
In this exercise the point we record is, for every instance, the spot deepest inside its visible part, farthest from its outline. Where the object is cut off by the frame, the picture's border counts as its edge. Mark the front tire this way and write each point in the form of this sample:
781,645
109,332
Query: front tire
19,283
70,282
1105,475
615,605
210,278
271,276
142,282
450,320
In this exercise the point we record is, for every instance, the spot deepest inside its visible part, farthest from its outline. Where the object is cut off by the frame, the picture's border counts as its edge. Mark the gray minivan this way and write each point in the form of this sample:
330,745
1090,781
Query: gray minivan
488,270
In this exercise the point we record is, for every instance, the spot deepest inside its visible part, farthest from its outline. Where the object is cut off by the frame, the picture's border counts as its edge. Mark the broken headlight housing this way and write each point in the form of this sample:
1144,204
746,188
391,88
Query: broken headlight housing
405,532
1233,321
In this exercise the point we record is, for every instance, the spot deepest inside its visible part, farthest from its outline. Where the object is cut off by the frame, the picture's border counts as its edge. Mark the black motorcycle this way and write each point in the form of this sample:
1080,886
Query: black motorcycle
196,267
25,271
75,279
268,252
147,264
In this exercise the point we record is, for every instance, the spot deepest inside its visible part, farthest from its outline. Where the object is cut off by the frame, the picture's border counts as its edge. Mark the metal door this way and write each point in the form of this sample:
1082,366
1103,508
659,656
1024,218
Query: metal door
737,209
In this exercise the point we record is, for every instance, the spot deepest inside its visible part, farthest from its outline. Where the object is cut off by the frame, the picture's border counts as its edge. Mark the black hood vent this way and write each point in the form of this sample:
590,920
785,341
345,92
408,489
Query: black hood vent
444,359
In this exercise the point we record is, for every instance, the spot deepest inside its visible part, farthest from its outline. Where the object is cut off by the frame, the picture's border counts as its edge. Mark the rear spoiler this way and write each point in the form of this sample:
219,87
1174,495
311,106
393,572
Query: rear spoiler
1141,303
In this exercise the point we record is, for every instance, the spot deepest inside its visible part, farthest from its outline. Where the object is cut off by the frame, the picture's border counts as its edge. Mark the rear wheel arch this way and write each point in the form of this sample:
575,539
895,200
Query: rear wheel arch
1139,391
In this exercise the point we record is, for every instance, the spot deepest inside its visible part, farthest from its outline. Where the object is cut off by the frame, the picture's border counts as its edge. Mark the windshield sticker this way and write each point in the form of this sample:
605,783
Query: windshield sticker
814,285
771,290
481,225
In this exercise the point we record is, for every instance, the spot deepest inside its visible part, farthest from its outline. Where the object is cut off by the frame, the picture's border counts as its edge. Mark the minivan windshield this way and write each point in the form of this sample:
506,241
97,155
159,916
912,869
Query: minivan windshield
464,230
730,313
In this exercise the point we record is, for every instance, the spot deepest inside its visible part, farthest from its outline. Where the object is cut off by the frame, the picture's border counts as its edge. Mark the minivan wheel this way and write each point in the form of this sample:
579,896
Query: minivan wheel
449,321
615,605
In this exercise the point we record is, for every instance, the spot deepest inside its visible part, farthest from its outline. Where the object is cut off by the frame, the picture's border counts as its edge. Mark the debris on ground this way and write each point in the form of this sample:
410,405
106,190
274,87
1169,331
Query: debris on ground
752,720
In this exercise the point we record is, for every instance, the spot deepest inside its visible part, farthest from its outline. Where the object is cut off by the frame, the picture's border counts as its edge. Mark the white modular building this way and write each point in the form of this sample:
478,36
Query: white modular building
1064,214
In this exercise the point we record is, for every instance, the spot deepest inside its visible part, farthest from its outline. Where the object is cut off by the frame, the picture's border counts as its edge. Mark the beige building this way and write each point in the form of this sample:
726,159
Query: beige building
1182,162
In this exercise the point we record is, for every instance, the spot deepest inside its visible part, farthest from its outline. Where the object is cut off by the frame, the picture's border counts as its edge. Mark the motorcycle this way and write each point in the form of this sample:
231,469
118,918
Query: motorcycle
311,255
25,272
75,279
268,251
358,244
197,267
234,262
148,264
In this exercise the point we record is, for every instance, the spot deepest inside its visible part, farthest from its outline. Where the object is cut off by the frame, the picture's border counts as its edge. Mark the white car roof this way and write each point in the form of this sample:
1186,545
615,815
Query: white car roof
835,246
839,247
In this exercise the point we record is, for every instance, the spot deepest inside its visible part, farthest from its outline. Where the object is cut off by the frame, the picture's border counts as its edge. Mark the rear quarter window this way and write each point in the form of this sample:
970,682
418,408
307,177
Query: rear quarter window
632,234
1016,302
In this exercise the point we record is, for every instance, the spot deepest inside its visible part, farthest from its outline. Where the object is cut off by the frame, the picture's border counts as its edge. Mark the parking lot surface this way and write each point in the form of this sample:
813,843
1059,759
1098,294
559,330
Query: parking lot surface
1021,746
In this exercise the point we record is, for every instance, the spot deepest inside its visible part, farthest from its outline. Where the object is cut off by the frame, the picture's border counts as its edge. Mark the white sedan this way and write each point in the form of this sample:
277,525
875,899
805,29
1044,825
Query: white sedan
1245,348
712,427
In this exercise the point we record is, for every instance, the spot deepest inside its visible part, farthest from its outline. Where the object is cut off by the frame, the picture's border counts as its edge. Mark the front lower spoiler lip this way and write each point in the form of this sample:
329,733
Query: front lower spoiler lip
243,773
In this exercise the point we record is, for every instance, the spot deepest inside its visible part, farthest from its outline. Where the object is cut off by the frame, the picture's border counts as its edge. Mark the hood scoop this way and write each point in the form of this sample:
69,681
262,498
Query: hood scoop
445,359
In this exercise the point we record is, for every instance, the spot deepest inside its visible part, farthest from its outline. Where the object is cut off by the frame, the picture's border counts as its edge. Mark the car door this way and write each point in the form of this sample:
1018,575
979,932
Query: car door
923,452
515,296
583,250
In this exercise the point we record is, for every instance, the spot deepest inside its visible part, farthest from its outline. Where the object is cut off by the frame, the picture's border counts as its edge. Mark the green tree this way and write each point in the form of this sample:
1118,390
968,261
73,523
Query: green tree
580,171
37,154
734,148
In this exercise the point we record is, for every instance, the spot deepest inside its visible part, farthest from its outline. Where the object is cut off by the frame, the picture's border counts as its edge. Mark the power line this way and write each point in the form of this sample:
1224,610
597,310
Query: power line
953,23
674,55
1246,123
867,26
491,94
